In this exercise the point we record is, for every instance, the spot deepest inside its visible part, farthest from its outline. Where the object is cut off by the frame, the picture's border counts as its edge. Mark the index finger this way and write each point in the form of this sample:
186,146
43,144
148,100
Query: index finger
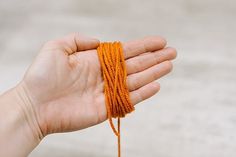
148,44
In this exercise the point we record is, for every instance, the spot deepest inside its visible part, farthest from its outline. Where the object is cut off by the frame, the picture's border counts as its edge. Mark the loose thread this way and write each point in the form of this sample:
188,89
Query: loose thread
114,73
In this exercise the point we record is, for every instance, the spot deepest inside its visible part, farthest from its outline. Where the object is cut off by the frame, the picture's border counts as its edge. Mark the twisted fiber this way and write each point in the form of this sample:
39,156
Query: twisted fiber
114,73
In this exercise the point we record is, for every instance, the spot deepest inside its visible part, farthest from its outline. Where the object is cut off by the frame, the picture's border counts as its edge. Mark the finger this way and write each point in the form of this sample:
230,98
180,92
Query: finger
73,43
144,92
140,79
148,44
140,63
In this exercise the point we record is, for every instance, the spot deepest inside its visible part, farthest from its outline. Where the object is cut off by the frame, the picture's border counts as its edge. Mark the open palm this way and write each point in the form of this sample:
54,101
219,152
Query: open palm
65,83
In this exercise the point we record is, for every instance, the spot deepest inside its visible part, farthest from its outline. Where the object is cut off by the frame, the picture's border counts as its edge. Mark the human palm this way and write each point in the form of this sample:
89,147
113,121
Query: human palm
65,83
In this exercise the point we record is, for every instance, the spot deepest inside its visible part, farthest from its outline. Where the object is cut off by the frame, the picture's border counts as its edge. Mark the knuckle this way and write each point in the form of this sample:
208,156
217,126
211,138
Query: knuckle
130,84
140,97
136,66
133,83
138,63
156,58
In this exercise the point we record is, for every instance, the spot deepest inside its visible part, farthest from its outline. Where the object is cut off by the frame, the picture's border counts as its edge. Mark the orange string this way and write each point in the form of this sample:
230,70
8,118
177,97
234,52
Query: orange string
114,73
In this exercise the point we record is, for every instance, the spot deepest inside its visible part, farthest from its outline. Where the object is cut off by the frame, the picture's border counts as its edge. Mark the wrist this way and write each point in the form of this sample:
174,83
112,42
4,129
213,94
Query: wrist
19,129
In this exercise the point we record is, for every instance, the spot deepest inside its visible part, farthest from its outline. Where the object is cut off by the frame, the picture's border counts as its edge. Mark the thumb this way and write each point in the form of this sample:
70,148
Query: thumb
72,43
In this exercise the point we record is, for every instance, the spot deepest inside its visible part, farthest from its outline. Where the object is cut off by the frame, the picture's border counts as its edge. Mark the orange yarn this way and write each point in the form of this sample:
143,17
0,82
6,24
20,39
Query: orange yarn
114,73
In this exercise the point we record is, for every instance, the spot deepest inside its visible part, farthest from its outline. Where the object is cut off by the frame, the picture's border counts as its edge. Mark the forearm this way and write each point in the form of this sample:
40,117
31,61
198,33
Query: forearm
19,131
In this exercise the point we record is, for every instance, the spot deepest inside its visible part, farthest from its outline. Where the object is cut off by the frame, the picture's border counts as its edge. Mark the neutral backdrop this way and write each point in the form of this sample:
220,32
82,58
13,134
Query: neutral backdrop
194,115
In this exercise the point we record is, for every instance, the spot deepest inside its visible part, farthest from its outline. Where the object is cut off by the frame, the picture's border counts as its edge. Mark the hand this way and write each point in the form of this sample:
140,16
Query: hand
64,85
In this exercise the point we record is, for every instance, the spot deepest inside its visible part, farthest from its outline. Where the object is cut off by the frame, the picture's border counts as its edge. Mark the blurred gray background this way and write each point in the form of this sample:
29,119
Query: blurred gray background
194,115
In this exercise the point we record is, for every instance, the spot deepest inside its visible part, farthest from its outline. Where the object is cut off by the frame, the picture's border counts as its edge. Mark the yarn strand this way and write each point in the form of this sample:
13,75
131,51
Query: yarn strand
117,99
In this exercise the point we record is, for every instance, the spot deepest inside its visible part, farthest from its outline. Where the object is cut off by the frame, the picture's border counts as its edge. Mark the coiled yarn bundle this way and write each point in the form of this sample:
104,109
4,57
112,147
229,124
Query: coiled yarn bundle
114,73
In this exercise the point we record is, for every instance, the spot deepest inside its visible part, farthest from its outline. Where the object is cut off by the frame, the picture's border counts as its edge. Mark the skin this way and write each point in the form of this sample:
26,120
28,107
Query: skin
62,90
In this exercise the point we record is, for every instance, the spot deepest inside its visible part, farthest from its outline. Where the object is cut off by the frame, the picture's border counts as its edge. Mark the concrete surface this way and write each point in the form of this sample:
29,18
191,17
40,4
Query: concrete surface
194,115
